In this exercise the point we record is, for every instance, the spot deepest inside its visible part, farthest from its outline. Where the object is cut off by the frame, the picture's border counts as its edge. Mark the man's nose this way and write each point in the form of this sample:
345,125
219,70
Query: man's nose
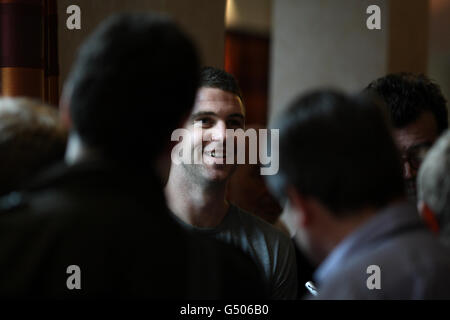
219,133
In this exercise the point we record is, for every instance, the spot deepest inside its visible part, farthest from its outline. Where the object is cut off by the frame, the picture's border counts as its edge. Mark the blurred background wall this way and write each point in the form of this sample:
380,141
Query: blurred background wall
439,44
326,43
37,49
280,48
202,19
276,48
247,53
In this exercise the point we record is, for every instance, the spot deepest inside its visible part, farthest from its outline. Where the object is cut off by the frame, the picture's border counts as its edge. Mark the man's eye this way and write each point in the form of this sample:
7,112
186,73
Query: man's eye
204,121
235,124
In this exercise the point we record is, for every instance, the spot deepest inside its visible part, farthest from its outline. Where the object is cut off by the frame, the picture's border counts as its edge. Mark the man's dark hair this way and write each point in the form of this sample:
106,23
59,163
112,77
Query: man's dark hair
211,77
133,81
338,149
408,95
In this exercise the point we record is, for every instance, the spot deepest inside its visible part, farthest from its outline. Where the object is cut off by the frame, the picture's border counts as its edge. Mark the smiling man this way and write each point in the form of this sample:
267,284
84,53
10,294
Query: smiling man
196,192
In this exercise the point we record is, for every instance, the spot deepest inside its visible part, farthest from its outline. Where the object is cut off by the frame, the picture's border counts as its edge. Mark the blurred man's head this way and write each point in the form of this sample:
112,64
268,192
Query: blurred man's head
134,82
338,164
433,183
31,139
419,115
218,107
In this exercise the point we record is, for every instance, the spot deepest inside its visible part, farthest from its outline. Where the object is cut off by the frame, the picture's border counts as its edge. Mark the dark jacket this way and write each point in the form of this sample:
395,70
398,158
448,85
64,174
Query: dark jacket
114,225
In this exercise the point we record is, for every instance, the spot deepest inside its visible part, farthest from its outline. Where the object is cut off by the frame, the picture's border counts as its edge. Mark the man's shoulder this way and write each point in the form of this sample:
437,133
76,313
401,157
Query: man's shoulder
405,269
24,208
41,194
82,199
12,202
41,204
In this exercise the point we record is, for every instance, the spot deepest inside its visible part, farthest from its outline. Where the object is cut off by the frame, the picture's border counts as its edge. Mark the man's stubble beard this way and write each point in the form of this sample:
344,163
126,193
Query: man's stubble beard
198,174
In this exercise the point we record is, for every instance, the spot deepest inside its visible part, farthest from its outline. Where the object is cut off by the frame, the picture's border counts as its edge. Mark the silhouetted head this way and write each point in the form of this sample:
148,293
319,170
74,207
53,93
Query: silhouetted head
133,82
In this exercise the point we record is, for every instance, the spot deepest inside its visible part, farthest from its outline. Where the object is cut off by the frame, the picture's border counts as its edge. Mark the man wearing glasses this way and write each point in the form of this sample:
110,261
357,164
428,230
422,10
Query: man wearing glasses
419,115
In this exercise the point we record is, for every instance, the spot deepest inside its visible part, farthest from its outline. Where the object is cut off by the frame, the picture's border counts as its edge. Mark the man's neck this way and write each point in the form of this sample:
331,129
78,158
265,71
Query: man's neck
335,230
198,205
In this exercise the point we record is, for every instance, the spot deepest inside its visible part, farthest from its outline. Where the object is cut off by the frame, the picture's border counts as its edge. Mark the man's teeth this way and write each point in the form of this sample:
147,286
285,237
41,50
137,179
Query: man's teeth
215,154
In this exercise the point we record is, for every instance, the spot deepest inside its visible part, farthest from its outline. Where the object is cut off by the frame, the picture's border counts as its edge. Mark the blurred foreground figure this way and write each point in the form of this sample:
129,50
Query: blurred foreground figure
31,139
418,113
340,169
433,184
98,226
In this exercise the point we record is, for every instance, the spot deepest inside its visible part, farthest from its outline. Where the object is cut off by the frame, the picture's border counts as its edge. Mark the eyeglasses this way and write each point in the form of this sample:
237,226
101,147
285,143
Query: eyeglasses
415,155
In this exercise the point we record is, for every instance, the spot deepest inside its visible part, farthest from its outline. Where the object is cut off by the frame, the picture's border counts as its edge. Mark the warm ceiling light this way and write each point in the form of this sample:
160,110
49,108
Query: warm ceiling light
231,14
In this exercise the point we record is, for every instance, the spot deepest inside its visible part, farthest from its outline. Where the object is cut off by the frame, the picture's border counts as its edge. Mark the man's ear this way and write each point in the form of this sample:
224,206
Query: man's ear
300,207
428,216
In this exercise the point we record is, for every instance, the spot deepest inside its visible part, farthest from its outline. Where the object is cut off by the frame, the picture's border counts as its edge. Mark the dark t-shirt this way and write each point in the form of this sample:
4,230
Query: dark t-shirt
271,250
